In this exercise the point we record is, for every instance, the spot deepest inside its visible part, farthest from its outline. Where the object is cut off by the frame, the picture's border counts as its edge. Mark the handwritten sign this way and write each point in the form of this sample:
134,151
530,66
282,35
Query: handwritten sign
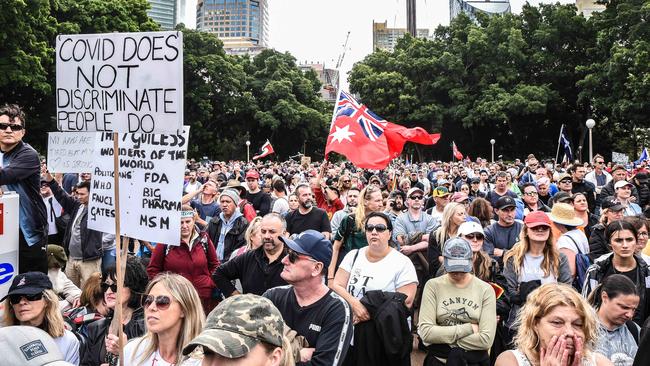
151,170
70,152
620,158
120,82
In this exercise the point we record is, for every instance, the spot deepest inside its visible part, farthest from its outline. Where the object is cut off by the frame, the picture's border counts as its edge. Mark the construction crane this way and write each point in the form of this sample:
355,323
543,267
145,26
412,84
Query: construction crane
342,55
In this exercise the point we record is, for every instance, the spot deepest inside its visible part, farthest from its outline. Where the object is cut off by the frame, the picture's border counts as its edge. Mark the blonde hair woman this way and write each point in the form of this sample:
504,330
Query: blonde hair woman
174,316
351,233
31,301
453,216
253,237
556,327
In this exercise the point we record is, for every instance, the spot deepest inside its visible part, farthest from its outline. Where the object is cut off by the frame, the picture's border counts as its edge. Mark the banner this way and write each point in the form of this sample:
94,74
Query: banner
620,158
151,170
120,82
71,152
9,239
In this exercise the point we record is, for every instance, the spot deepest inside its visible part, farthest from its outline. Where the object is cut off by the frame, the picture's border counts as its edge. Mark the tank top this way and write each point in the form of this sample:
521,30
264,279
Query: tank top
522,360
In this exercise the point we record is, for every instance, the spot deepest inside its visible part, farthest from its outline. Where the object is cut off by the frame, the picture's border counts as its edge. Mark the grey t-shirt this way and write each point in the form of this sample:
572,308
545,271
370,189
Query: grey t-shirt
532,270
617,345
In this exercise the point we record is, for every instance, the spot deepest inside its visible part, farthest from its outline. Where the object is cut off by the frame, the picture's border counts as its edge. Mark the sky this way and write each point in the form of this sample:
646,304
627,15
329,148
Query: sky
315,30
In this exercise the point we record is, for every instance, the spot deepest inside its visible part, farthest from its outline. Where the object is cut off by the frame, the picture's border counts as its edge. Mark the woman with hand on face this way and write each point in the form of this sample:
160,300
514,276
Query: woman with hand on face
557,327
31,301
453,215
173,315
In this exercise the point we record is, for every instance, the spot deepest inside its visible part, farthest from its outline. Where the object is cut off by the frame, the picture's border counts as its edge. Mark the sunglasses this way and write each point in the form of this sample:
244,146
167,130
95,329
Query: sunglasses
106,286
162,301
565,181
347,181
416,197
379,227
531,194
540,228
12,126
15,299
293,256
474,236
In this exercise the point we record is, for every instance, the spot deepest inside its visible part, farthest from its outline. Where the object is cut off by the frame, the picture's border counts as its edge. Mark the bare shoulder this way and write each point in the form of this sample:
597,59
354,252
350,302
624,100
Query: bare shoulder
506,358
602,360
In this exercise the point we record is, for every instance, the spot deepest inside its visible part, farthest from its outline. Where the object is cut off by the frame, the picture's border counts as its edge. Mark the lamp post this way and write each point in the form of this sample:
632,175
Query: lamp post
590,125
492,143
248,151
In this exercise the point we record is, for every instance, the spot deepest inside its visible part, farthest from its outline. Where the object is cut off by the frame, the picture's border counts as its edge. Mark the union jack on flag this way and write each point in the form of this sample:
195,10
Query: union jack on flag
371,124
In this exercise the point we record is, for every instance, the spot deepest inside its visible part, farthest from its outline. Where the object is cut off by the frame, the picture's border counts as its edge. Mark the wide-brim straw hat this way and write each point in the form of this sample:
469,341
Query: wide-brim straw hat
563,213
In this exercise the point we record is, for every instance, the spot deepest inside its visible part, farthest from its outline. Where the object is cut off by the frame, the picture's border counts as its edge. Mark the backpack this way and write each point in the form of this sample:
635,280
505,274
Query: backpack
582,264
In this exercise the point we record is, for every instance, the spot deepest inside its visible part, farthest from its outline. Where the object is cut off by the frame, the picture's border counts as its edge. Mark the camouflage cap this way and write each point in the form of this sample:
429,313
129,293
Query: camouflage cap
239,323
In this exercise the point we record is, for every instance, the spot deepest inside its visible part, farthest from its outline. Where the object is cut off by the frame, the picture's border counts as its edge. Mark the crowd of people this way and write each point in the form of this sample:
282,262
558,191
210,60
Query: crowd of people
281,263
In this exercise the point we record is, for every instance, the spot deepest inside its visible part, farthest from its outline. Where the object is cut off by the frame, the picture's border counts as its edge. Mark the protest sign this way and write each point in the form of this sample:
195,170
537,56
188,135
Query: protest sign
70,152
120,82
620,158
151,168
9,239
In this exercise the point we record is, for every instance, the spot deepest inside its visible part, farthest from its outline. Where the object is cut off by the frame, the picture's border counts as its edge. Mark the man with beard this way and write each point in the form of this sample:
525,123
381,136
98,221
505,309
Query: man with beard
503,234
413,222
353,201
206,206
192,184
395,204
261,201
345,183
308,306
307,216
258,270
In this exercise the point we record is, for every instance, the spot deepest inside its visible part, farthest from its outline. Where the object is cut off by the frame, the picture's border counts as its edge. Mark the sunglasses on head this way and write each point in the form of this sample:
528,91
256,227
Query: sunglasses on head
106,286
293,256
473,236
379,227
162,301
14,127
15,299
416,197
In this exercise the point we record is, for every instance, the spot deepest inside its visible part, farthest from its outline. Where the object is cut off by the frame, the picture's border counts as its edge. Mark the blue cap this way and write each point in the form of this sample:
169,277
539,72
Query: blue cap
313,244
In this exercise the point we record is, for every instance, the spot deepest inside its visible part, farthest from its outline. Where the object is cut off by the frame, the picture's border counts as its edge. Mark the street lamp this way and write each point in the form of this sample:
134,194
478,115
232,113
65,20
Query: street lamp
248,151
590,125
492,143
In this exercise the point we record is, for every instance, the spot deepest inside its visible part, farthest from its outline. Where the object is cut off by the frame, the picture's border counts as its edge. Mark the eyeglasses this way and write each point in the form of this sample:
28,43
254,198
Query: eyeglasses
474,236
162,302
12,126
531,194
540,228
415,197
599,162
15,299
293,256
644,234
379,227
106,286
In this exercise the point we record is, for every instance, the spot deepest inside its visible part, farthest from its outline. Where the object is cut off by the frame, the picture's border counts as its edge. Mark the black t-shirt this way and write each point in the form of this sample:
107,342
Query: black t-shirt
316,219
261,202
325,324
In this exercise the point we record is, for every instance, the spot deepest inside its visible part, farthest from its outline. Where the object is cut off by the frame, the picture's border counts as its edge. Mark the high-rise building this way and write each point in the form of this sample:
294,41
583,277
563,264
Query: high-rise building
164,13
472,7
242,25
588,7
385,38
329,79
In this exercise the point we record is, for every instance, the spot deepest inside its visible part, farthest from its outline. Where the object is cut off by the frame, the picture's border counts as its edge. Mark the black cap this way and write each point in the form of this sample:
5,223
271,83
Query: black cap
505,201
612,204
29,283
641,177
474,180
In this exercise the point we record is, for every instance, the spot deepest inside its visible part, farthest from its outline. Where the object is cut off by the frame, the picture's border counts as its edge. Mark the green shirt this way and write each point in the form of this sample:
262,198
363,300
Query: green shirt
348,233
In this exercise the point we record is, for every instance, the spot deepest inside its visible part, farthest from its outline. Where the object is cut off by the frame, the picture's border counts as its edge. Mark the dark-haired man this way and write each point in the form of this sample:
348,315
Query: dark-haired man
580,184
20,170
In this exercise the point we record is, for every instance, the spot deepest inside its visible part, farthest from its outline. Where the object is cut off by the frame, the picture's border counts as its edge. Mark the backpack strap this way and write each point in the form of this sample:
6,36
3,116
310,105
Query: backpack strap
574,242
634,329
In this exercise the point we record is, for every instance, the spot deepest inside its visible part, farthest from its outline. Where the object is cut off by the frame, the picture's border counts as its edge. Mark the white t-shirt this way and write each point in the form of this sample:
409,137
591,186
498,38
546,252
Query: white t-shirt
134,350
580,239
532,270
392,272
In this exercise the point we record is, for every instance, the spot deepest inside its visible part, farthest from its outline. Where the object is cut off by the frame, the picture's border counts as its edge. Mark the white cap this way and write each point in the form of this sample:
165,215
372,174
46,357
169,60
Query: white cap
622,183
470,227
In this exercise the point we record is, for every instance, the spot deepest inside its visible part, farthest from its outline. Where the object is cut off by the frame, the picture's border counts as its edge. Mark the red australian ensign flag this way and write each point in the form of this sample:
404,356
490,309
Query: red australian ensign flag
266,150
366,139
457,154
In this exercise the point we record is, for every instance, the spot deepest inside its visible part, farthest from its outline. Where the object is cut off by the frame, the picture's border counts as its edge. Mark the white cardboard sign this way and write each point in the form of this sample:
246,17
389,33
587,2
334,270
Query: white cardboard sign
120,82
9,239
71,152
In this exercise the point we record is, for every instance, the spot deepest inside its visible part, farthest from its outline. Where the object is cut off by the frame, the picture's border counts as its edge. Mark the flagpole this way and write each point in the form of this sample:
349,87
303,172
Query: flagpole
557,154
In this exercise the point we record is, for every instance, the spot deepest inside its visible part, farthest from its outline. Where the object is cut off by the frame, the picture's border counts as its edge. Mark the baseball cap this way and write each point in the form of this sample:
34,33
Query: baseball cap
457,255
618,167
440,192
537,218
612,204
563,176
459,197
29,346
505,201
622,183
442,182
29,283
311,243
238,324
413,190
474,180
470,227
252,174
